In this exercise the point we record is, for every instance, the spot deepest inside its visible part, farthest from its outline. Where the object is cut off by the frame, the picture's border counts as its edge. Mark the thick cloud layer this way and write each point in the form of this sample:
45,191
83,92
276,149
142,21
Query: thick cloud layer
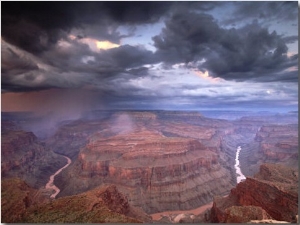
37,26
247,52
200,54
268,11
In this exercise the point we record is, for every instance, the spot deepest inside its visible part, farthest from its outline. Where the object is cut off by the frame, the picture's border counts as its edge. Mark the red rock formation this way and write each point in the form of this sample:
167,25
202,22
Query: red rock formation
152,164
274,189
155,171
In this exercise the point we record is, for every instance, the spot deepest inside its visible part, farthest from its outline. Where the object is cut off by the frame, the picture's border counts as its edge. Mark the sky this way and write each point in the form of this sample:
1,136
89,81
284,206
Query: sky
69,57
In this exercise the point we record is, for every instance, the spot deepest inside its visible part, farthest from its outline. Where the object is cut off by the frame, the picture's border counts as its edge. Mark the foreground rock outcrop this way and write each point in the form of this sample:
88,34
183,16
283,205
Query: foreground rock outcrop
23,204
16,197
271,194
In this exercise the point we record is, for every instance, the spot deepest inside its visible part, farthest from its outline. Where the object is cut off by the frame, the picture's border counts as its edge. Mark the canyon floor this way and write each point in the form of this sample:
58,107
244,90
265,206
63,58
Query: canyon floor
150,166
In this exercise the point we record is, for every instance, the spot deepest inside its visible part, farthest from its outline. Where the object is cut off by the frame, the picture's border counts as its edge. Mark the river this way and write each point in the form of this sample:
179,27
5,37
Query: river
50,184
239,175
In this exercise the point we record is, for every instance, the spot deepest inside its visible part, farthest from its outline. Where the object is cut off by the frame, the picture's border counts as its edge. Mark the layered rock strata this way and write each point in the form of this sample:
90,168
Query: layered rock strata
273,192
270,143
154,171
279,143
131,149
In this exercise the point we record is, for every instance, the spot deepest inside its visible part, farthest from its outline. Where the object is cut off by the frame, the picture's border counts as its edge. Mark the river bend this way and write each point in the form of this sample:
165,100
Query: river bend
50,184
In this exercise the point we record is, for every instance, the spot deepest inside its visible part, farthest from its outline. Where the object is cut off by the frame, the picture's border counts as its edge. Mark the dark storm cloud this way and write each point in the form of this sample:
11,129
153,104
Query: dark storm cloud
34,26
14,63
128,56
37,26
22,71
136,12
43,29
248,52
183,35
104,63
69,65
290,39
267,11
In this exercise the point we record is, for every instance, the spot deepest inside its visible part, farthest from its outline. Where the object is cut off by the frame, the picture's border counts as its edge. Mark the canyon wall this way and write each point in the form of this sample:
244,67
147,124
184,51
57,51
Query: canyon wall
23,156
272,143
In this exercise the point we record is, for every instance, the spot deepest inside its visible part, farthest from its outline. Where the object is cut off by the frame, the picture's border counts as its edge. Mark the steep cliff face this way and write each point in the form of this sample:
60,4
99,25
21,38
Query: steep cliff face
273,191
154,171
22,155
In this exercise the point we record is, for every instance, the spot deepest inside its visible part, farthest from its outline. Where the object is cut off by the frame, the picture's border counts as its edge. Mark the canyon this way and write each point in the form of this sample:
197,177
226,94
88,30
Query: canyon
26,157
161,162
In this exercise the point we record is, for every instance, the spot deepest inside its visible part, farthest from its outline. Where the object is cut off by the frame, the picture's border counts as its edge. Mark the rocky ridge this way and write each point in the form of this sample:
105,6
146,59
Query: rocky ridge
101,205
16,197
271,194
